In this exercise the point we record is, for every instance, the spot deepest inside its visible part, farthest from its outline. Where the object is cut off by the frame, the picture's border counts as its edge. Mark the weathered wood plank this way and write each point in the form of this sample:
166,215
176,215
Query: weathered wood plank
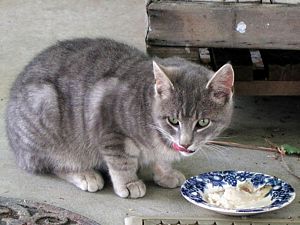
266,1
198,0
204,56
259,26
256,59
164,52
271,88
259,70
249,1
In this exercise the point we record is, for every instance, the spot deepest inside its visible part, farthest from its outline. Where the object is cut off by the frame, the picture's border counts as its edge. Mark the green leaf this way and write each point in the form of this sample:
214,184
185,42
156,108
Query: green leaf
290,149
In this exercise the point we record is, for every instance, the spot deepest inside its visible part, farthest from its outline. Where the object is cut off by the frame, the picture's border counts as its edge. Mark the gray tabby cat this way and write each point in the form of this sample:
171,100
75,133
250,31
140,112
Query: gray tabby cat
85,104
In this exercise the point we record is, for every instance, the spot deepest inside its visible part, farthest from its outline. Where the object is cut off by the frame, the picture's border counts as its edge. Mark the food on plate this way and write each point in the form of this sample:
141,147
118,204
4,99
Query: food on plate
243,196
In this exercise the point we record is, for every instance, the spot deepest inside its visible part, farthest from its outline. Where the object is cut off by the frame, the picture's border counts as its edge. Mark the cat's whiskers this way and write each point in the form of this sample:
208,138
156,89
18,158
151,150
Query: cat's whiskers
203,152
220,147
219,152
162,131
226,137
215,148
209,155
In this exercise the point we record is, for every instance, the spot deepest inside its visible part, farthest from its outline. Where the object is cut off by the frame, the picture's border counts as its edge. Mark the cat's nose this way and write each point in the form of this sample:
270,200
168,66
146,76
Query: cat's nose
186,146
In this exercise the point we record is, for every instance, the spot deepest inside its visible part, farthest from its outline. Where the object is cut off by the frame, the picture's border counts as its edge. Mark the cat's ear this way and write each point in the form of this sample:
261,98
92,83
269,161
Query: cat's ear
163,85
221,84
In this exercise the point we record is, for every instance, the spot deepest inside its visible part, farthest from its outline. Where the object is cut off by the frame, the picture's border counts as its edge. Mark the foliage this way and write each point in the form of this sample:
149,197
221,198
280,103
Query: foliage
290,149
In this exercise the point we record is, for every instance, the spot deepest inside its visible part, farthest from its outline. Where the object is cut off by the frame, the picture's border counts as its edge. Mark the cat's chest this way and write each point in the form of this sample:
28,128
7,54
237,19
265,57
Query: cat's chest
148,155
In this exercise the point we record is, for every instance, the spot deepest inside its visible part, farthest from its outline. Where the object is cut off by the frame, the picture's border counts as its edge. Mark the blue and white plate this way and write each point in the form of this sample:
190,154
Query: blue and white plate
194,188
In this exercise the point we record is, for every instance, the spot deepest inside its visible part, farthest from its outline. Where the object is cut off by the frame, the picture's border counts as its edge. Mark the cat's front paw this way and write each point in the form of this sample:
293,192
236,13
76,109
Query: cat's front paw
135,189
90,181
172,179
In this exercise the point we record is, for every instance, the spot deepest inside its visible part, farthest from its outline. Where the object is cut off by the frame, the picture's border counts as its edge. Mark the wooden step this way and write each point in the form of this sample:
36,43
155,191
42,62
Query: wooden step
221,25
267,88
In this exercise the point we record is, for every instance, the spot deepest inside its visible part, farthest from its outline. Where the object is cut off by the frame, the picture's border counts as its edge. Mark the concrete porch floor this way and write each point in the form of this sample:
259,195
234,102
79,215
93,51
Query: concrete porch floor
27,27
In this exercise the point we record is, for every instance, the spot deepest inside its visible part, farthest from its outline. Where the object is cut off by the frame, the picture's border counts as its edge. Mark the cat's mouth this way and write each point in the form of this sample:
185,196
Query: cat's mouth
179,148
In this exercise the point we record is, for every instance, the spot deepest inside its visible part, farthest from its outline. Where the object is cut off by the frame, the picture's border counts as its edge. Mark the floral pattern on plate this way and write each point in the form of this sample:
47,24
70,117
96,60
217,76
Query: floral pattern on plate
281,193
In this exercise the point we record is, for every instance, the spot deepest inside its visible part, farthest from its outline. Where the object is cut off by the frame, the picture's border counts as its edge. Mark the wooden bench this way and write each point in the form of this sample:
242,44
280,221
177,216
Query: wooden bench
260,38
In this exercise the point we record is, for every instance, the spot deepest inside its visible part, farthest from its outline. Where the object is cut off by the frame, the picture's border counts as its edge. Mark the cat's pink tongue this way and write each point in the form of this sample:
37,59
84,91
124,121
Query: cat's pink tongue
179,148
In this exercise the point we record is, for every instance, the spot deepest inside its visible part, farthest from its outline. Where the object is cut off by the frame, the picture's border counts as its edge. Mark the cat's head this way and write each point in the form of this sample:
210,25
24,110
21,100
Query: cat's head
192,104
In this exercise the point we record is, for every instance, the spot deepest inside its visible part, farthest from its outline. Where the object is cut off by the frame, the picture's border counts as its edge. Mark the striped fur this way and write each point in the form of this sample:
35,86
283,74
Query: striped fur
87,103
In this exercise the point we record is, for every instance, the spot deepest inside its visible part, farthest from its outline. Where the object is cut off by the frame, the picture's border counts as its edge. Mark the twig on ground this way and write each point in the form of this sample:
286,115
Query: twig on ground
274,148
237,145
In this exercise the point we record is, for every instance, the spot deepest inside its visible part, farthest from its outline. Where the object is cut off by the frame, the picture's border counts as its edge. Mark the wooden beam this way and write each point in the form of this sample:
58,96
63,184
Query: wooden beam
241,25
204,56
271,88
164,52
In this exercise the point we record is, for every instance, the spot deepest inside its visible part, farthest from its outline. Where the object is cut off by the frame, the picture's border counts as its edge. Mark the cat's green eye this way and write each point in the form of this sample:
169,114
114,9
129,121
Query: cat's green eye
173,121
203,122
